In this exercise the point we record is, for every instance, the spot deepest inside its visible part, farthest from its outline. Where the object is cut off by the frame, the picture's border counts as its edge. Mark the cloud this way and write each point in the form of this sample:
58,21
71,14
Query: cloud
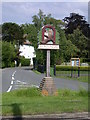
22,12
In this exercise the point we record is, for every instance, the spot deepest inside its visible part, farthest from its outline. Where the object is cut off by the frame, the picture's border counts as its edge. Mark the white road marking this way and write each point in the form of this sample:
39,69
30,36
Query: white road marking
9,89
11,82
35,86
13,73
21,82
12,78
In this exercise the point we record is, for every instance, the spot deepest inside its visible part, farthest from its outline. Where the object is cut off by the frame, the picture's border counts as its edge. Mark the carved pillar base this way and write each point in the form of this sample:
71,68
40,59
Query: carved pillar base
47,87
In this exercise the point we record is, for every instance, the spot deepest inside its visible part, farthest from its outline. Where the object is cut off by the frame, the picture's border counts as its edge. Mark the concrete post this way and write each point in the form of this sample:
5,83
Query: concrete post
48,64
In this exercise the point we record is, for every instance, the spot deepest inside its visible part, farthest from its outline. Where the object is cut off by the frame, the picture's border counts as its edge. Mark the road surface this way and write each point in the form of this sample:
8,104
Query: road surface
14,78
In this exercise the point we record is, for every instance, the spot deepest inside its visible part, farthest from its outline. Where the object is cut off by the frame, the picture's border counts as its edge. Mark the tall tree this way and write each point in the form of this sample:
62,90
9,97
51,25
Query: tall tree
38,19
31,33
80,41
75,21
12,32
67,48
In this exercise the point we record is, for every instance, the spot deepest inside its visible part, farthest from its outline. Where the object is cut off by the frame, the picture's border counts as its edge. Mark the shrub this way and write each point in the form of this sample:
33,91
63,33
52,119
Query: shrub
24,62
68,68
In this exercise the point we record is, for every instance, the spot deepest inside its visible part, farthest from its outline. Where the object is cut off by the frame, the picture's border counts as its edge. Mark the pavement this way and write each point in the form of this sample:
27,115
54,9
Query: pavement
63,116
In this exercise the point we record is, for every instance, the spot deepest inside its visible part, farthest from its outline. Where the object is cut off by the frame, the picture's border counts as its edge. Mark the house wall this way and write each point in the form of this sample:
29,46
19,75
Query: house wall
28,52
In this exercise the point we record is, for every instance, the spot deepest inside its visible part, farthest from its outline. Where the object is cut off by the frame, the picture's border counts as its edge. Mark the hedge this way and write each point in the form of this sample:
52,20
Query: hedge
24,62
68,68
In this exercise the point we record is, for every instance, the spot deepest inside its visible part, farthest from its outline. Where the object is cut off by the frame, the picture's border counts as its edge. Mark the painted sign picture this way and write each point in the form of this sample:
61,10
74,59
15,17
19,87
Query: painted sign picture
48,35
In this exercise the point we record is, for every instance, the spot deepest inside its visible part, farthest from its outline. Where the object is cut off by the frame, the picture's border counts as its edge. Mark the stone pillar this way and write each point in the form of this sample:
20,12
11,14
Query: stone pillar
48,64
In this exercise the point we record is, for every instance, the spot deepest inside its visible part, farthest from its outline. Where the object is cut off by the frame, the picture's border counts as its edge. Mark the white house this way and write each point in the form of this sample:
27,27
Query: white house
28,52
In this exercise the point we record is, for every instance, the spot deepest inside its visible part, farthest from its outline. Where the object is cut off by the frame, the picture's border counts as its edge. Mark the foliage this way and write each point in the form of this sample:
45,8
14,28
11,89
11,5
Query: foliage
12,32
79,40
73,40
67,48
69,68
24,61
40,20
8,54
75,21
31,33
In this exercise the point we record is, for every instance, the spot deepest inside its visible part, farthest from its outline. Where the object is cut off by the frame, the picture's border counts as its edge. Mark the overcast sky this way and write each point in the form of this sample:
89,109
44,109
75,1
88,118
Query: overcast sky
22,11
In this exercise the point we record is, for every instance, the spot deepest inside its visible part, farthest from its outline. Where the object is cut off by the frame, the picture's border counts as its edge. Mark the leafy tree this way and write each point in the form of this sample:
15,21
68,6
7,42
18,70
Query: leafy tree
31,33
67,48
80,41
8,54
12,32
75,21
42,19
38,20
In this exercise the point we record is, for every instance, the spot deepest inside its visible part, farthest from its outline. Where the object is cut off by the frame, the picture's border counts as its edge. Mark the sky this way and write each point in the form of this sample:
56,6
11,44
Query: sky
22,11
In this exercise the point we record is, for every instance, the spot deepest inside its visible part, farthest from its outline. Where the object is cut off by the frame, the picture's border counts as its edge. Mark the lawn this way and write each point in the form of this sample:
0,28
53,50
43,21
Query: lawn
30,101
67,75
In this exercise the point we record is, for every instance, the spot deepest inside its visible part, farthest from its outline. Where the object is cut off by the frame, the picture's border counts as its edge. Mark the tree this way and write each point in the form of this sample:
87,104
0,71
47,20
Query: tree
31,33
67,48
38,20
75,21
12,32
8,54
80,41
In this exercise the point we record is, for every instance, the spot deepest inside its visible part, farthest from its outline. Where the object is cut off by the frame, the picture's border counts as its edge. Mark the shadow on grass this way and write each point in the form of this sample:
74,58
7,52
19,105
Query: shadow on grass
17,114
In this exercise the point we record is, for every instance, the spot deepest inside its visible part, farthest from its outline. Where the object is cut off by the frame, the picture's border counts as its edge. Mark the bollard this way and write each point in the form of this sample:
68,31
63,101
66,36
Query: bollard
72,72
78,71
55,70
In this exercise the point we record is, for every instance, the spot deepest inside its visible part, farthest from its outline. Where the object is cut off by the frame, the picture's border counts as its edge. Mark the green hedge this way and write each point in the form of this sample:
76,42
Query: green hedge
68,68
24,62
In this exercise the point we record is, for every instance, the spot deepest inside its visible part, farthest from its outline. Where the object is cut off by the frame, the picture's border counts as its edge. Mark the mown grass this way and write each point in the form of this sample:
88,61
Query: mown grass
67,75
30,101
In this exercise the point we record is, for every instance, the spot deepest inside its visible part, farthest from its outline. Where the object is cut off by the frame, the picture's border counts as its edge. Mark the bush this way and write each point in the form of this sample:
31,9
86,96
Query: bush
8,54
68,68
24,62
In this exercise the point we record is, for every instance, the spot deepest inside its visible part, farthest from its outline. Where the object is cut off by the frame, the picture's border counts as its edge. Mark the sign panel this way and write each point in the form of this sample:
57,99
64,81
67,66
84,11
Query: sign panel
48,38
48,47
72,63
75,61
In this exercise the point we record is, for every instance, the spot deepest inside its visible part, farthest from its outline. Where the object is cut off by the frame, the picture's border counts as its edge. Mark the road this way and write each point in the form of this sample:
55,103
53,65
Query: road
14,78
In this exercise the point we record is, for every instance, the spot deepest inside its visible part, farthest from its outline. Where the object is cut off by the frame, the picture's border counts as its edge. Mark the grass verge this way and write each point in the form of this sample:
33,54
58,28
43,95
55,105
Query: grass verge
30,101
67,75
37,72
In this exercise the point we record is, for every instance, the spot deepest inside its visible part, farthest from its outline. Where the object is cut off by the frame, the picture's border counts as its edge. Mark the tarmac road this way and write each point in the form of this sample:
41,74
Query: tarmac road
14,78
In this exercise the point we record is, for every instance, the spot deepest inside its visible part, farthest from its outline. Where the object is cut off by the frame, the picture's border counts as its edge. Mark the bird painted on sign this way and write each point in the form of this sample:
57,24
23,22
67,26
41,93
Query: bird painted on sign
48,37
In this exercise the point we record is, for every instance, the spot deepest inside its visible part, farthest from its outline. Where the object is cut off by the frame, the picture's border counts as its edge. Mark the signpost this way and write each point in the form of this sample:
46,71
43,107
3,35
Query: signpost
48,43
75,62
